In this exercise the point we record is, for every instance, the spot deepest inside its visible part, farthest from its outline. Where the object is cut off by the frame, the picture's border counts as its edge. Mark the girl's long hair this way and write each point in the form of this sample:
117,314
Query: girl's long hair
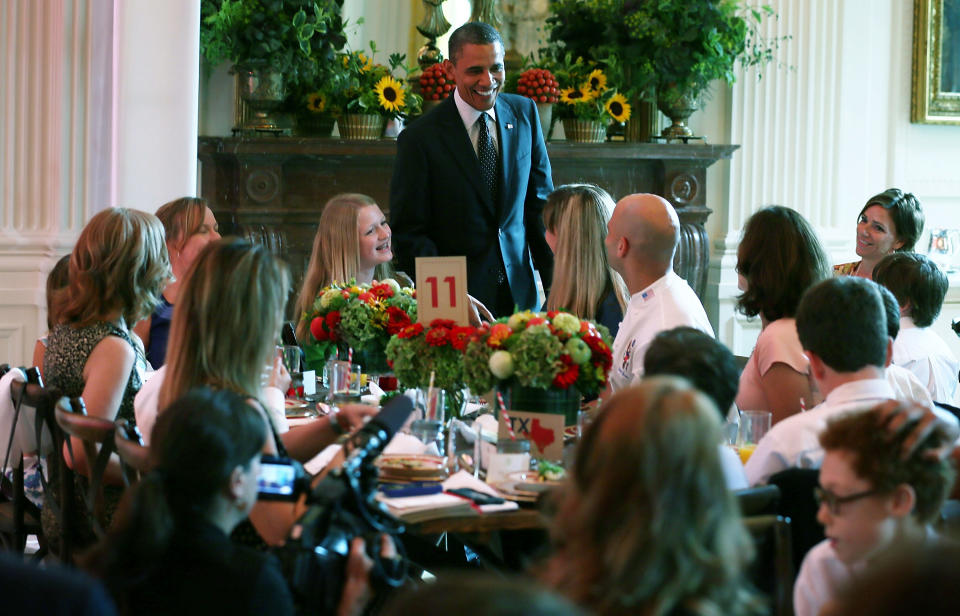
227,320
198,442
577,214
336,252
646,524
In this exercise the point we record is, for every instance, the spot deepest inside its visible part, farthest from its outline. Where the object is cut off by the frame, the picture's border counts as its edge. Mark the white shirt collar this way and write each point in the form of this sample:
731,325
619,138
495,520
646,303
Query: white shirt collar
469,116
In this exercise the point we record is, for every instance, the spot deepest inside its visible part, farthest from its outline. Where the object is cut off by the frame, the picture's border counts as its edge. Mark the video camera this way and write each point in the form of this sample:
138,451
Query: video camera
342,506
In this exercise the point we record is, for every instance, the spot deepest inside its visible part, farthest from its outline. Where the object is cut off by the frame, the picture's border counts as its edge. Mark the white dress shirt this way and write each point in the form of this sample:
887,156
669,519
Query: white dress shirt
795,441
924,353
469,115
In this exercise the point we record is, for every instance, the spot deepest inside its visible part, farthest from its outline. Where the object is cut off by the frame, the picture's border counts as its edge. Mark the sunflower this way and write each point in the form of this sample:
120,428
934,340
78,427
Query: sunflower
597,81
390,93
618,108
365,63
572,96
316,102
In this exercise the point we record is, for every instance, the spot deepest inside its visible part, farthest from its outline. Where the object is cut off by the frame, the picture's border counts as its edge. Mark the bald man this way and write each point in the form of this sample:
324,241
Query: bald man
642,237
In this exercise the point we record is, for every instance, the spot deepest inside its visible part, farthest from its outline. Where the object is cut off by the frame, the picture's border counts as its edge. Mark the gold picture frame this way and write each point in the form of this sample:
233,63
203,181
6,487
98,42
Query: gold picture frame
935,92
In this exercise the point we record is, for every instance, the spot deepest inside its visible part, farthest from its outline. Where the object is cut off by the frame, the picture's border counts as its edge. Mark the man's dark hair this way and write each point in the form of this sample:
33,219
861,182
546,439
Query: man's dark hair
474,33
916,281
893,311
697,357
844,322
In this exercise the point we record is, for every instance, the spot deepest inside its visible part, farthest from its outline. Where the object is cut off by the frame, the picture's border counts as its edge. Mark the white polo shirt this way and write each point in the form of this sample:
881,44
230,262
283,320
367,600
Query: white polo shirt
925,354
667,303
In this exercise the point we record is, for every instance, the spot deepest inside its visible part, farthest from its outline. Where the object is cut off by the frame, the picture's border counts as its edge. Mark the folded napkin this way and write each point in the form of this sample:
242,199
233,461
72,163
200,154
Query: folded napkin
463,479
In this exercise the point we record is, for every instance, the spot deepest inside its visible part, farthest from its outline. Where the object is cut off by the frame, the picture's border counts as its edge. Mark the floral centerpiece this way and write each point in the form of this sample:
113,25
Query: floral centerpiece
538,84
543,351
362,317
417,352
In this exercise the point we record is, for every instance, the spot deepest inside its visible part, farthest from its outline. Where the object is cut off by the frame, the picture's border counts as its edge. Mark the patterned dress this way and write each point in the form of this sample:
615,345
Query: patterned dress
846,269
67,352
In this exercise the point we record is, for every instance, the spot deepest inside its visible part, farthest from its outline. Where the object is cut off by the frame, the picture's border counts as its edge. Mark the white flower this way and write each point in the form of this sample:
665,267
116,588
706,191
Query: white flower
501,364
393,284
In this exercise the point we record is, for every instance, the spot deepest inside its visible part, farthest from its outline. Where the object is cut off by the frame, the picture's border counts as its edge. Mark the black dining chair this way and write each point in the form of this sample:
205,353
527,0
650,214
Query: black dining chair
134,455
19,517
797,503
758,500
772,571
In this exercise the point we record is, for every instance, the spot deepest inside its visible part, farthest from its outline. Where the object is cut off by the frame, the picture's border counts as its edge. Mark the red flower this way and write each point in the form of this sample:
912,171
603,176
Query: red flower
438,336
381,290
345,294
365,297
568,375
444,323
460,336
333,319
411,331
552,313
536,321
317,330
397,319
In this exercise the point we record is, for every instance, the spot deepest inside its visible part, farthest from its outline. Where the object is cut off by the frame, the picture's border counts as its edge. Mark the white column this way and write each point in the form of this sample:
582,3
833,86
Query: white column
158,77
55,148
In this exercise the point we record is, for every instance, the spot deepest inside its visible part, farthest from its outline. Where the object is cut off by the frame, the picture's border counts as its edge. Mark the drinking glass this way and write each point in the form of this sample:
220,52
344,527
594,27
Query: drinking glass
343,379
754,425
433,403
430,433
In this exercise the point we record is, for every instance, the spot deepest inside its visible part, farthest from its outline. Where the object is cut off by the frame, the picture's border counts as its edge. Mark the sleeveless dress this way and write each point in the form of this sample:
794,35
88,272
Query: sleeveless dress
67,352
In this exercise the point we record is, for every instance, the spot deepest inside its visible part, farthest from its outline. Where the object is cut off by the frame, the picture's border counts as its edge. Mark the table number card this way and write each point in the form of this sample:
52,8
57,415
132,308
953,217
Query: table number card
543,430
442,289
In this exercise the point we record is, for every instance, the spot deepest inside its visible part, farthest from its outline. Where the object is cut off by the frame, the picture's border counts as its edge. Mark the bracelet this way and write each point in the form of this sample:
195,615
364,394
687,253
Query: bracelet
334,424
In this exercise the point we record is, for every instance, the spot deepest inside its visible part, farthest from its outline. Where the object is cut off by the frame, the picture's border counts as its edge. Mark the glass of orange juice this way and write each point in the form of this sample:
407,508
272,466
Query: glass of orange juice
753,426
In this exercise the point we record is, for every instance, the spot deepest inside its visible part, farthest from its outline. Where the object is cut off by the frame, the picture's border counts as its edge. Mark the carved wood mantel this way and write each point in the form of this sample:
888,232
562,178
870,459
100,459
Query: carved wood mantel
273,189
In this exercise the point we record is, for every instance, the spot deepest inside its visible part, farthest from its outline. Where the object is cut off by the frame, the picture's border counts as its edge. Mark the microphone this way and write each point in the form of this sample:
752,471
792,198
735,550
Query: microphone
370,440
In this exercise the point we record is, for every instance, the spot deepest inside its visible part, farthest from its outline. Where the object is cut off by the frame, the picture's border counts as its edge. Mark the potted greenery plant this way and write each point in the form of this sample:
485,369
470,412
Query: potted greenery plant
275,45
666,51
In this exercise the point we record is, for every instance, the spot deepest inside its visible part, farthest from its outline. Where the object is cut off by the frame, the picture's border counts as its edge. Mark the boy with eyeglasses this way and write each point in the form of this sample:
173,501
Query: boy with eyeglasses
873,499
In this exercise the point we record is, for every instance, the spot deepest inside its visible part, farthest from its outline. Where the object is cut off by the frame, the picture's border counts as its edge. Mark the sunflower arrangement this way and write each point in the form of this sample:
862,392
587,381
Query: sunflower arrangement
362,317
366,87
586,94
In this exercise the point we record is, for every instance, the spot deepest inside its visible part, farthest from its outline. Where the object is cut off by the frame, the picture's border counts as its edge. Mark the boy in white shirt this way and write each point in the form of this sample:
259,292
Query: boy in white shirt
920,288
872,501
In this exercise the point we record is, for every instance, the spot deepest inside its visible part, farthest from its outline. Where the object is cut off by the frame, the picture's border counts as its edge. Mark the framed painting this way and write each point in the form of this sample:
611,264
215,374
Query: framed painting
935,96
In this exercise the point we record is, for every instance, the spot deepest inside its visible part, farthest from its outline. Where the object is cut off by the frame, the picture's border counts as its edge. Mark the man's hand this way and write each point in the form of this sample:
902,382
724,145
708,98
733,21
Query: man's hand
919,422
479,314
356,586
352,416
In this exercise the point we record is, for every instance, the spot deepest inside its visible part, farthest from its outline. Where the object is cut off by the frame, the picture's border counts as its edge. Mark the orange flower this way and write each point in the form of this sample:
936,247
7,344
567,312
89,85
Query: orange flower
498,333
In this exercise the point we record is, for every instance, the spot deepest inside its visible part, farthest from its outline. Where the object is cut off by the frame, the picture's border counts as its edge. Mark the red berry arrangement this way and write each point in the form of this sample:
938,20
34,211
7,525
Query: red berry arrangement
434,83
538,84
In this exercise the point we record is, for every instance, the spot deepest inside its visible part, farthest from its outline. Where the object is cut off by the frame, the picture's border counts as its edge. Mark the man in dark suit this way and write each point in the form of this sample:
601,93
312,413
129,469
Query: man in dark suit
471,178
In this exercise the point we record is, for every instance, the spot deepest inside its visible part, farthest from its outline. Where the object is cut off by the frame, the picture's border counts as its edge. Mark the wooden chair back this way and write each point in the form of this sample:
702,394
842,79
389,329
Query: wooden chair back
758,500
19,517
134,455
71,416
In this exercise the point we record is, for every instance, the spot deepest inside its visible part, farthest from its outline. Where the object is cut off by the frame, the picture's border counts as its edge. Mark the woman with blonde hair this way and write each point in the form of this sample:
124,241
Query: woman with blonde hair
575,217
118,269
189,225
339,255
650,462
224,332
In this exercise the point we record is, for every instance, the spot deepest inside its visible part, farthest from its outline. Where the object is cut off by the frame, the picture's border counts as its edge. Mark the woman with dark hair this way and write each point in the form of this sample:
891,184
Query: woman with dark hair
575,218
169,549
778,259
189,225
650,463
890,222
